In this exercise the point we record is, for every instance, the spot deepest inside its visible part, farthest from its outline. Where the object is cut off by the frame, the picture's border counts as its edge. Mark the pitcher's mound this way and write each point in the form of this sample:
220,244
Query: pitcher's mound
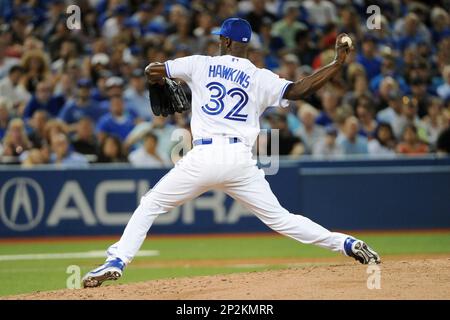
393,279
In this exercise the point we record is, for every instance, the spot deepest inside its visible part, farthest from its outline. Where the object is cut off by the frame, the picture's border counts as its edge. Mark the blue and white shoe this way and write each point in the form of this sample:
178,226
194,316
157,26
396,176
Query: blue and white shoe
361,251
110,270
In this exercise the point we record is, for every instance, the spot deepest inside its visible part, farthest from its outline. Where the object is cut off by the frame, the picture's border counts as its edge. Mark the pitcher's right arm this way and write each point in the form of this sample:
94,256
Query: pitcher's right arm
314,82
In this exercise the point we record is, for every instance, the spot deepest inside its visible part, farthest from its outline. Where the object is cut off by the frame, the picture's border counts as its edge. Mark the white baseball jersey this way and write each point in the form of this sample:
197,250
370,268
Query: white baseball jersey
228,94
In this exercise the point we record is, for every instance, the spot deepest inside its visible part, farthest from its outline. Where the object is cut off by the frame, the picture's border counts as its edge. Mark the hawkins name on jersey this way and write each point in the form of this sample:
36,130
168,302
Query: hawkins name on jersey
228,73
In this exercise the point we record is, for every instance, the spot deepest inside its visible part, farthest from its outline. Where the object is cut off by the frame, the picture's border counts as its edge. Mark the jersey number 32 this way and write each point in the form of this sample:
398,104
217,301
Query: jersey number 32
216,105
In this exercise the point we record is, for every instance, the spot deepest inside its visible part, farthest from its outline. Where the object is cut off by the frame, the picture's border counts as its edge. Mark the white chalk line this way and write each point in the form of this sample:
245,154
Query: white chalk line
70,255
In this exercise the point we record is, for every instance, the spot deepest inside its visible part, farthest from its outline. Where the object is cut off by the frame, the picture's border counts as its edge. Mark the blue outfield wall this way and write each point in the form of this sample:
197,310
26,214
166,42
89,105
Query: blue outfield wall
344,195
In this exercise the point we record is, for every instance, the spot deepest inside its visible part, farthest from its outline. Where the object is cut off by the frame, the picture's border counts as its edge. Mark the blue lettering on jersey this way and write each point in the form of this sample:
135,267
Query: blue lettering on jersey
240,78
231,74
219,71
228,73
212,71
225,72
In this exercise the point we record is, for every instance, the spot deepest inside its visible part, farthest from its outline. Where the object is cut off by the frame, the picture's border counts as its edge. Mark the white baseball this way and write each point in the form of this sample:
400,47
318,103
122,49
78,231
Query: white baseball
348,40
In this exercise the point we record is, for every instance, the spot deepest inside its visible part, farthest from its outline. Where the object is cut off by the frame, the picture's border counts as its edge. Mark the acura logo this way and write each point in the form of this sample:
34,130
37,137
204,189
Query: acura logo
21,204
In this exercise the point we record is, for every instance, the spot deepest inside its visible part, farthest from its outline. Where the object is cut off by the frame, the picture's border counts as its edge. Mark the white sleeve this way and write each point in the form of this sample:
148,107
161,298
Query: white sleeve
273,88
183,68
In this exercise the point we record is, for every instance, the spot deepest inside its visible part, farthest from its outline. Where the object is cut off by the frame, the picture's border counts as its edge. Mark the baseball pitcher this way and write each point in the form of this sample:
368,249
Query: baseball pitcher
229,94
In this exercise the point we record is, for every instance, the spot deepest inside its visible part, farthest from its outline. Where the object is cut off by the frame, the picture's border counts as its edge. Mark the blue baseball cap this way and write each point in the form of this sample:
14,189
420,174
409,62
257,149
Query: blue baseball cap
236,29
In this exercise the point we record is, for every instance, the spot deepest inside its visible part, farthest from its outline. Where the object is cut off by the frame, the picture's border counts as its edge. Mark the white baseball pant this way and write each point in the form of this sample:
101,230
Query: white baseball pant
230,168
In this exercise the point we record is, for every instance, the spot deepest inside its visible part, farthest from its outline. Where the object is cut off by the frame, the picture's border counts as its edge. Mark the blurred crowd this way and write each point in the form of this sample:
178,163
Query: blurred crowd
76,95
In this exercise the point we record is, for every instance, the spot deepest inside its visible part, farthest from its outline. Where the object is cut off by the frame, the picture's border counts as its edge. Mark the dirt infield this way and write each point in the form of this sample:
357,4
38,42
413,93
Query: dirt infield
401,278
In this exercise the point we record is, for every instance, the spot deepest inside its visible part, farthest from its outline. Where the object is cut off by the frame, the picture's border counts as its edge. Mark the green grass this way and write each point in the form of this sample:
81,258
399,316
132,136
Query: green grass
27,276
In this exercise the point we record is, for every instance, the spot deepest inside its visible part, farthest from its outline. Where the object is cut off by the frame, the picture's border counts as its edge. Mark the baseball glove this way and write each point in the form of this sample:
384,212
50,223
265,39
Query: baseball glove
168,98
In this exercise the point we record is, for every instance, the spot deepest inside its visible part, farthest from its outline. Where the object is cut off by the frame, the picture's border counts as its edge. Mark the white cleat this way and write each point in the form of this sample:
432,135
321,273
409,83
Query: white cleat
360,251
110,270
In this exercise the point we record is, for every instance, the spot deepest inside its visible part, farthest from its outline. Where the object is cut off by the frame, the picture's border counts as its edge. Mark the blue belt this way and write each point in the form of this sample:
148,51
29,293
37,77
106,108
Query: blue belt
210,140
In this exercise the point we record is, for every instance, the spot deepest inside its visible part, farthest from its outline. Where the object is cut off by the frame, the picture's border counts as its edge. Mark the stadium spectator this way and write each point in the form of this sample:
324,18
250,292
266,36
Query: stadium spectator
100,92
269,43
51,25
142,17
205,24
177,13
36,128
43,99
115,23
410,117
84,140
257,15
350,141
36,69
289,68
68,51
288,144
420,68
327,145
66,81
147,155
288,27
11,90
5,62
369,57
440,21
434,122
329,108
419,94
226,9
52,128
444,89
384,142
388,69
320,13
309,132
350,22
182,37
411,144
82,105
117,121
365,114
4,116
382,96
33,158
304,47
356,76
99,64
137,95
63,156
410,30
393,113
111,150
161,128
443,142
15,141
115,88
256,56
